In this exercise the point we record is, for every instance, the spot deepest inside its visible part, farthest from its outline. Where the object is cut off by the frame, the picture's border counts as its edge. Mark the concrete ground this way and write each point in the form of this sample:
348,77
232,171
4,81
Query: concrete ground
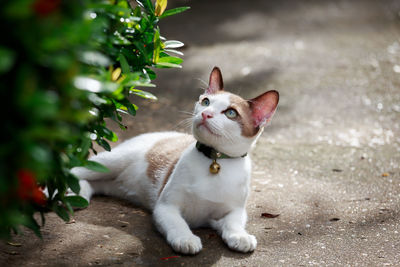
328,164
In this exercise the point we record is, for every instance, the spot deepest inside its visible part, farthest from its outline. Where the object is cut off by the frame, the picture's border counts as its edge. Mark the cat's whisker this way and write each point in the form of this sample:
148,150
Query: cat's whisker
187,112
225,134
185,123
203,82
228,136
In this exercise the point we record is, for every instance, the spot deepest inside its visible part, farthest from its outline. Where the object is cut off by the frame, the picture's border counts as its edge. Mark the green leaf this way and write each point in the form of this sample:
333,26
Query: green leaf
174,60
31,223
61,212
174,51
74,161
84,147
174,11
124,64
104,131
94,85
73,183
141,48
129,107
151,73
148,6
77,201
95,58
157,46
173,44
95,166
111,8
70,209
167,65
136,11
7,59
143,94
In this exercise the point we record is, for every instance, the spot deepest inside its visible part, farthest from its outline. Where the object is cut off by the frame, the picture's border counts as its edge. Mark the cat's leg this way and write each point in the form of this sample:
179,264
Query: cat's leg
232,230
177,232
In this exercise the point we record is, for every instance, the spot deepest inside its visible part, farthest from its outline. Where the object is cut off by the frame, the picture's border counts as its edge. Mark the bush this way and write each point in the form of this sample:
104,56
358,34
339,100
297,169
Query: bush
65,66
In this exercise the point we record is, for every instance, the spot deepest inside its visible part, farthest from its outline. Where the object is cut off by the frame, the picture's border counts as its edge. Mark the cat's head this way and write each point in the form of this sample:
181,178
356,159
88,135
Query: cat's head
227,122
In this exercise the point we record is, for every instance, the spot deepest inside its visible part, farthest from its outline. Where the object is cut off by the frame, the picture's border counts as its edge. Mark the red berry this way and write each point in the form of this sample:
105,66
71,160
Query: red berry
45,7
28,189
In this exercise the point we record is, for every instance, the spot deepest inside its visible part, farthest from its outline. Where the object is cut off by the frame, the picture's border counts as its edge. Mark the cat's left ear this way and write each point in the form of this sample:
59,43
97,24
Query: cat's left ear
216,83
263,108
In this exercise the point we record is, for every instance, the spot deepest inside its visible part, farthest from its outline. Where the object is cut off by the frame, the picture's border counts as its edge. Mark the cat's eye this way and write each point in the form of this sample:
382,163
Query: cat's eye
231,113
205,102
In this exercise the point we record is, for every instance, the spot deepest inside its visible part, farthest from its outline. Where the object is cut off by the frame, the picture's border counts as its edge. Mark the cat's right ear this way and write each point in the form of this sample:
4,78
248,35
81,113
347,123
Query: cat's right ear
216,83
263,107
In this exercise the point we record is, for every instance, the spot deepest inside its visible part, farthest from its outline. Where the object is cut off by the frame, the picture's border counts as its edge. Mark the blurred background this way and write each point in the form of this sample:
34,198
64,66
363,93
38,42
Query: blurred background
328,164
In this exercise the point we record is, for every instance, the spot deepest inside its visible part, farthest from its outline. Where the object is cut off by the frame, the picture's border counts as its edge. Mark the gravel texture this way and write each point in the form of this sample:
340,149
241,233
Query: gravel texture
328,164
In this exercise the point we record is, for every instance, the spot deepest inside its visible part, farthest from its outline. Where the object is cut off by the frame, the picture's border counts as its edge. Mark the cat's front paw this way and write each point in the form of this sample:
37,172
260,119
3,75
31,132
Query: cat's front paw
241,242
186,244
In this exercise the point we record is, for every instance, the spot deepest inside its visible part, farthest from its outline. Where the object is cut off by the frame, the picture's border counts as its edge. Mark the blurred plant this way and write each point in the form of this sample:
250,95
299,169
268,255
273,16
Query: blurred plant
65,66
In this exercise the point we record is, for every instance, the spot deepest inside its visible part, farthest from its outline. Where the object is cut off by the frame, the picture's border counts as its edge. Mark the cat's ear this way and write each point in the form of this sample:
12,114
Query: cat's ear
263,107
216,83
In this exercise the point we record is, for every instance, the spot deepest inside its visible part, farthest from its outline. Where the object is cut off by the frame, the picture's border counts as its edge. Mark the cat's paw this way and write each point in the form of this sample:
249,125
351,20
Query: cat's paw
186,244
241,242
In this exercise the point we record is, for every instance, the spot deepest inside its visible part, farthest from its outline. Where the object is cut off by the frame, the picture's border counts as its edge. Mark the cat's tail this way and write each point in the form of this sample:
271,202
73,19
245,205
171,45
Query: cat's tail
89,179
111,160
86,191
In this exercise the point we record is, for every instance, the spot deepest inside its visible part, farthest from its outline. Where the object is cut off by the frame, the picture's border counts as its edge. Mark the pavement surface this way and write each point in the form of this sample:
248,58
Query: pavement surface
328,165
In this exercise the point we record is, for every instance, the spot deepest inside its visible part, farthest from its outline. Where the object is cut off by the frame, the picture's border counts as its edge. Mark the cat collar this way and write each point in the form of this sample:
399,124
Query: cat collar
213,154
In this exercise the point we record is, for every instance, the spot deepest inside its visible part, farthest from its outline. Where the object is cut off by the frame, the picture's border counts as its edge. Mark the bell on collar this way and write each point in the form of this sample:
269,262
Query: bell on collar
214,167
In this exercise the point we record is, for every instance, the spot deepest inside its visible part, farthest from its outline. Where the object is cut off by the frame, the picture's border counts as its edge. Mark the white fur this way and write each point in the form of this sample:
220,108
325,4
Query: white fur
193,196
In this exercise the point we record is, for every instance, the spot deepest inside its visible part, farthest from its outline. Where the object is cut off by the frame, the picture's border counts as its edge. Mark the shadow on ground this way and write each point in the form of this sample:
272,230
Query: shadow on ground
328,164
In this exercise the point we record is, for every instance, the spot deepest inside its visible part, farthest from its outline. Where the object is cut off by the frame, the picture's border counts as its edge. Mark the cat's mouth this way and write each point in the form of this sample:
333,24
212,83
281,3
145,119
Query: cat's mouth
205,126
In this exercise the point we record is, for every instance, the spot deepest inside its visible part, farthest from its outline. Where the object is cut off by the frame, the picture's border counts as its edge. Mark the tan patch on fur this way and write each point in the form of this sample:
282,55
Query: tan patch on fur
166,178
164,155
245,118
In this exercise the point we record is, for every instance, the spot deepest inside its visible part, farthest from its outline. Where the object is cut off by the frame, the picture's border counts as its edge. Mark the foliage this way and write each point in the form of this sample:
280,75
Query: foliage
65,67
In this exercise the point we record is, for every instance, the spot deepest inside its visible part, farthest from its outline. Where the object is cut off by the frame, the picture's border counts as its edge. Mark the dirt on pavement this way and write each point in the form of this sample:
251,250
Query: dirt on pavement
328,165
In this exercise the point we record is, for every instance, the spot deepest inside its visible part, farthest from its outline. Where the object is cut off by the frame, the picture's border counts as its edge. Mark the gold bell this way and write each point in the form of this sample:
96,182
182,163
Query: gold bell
214,167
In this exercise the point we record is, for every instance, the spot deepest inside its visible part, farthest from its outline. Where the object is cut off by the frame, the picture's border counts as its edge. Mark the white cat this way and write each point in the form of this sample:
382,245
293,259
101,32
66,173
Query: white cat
187,184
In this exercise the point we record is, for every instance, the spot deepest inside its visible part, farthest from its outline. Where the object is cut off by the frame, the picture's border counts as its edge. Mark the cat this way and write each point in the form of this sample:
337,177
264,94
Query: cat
188,181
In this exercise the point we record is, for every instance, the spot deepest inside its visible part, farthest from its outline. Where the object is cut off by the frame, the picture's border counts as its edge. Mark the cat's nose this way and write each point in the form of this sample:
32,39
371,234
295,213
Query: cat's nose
206,115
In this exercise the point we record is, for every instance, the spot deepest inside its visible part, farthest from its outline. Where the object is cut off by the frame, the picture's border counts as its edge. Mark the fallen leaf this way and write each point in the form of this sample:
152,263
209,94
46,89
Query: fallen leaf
269,215
385,174
14,244
211,236
167,258
139,212
11,252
